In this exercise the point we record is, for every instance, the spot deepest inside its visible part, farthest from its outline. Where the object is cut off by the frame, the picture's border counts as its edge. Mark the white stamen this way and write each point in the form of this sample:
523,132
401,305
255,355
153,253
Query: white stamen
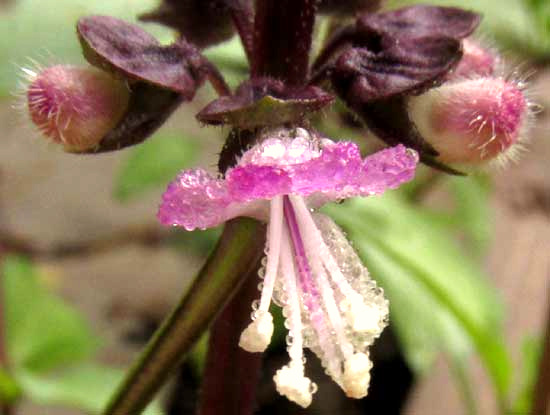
274,249
357,375
305,222
291,382
293,304
318,331
257,336
361,317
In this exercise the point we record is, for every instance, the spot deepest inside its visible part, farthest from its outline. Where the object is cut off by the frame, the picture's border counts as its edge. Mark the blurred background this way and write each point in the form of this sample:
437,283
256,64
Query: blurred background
88,274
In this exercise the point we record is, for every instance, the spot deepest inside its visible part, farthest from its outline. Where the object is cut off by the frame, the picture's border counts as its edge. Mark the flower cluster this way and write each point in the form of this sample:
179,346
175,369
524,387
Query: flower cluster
330,303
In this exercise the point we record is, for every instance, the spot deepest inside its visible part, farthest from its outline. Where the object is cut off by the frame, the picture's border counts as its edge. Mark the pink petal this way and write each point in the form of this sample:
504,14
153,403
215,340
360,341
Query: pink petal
386,169
194,200
249,182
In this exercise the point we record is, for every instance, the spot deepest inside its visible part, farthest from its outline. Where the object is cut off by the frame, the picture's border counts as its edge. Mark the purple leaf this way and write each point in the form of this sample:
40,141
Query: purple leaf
394,67
348,7
391,56
263,102
202,22
421,20
124,48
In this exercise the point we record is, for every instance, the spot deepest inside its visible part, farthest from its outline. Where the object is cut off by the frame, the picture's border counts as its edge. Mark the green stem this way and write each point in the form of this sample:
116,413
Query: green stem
237,252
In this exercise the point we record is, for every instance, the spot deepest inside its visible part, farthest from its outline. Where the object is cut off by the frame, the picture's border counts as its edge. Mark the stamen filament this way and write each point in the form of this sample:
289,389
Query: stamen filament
293,304
327,293
369,320
273,253
311,294
256,337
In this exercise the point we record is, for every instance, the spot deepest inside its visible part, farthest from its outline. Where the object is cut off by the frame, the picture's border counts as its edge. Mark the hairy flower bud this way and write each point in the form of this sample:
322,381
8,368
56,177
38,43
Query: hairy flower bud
75,106
471,121
476,60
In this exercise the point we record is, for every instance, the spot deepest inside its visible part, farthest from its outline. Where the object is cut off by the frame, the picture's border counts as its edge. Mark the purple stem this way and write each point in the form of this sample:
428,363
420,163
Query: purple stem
282,39
231,374
242,13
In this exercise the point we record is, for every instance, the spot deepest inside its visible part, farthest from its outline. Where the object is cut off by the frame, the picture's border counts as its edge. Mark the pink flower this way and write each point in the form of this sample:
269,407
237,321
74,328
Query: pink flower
329,301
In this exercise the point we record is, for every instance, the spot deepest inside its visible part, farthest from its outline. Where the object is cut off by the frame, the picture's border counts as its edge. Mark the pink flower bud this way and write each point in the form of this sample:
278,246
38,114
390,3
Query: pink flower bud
471,121
477,60
75,106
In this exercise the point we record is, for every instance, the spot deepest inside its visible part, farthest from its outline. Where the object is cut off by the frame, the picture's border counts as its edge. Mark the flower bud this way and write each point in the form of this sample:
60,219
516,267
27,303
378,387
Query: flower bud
75,106
471,121
476,61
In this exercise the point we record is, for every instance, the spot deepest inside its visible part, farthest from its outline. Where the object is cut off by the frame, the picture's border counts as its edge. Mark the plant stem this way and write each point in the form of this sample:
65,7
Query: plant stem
282,39
235,255
242,13
231,374
541,399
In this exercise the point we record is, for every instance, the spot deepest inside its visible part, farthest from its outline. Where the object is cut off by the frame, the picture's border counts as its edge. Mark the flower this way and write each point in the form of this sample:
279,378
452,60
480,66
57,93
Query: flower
330,303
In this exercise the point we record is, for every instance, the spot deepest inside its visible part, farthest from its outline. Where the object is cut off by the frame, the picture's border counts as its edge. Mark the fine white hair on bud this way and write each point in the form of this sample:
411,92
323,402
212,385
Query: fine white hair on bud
472,121
74,106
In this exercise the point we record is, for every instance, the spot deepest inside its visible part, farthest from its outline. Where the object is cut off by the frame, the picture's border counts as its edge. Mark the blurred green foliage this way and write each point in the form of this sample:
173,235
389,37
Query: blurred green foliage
50,346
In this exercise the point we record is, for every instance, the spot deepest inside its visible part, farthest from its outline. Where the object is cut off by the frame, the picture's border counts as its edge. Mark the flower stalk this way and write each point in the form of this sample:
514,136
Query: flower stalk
283,54
231,374
234,257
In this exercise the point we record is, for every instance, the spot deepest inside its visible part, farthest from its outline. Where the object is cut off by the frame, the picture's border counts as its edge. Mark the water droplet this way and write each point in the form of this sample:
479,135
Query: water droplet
312,388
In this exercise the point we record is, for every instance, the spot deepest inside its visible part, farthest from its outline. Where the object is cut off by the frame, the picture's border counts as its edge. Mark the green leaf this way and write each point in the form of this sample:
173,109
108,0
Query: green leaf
86,387
531,353
10,390
471,214
154,163
432,284
423,331
42,331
